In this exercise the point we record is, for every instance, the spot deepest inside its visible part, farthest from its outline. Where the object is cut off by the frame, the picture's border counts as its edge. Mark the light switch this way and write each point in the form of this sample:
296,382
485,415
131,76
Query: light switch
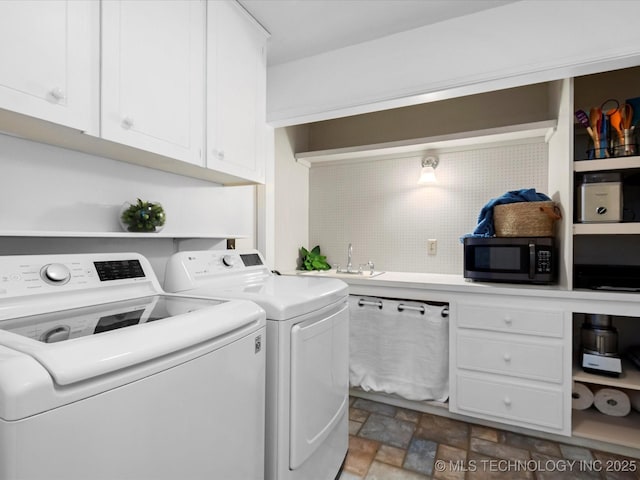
432,246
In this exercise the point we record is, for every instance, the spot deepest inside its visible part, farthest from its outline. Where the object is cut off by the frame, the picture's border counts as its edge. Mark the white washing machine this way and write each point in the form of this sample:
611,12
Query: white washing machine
307,355
102,376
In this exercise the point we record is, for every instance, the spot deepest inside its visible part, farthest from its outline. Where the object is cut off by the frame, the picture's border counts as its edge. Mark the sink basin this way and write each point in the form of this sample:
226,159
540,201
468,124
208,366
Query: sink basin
334,274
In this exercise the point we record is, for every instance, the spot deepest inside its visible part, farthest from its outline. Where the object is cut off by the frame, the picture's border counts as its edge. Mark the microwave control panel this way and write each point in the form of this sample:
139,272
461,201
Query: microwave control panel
543,261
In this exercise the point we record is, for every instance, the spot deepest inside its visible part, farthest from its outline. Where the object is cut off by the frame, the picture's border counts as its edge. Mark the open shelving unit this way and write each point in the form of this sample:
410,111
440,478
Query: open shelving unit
593,242
628,379
628,228
590,424
594,425
603,165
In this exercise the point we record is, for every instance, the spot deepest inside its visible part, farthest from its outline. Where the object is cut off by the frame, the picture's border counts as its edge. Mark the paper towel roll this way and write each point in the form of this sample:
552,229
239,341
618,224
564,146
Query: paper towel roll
634,396
612,402
581,396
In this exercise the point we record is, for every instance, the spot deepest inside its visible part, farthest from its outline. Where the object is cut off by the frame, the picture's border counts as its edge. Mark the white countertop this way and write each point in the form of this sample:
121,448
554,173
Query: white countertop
458,284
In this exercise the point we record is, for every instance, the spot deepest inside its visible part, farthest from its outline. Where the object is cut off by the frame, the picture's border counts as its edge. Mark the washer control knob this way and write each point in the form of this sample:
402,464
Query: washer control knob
227,261
56,273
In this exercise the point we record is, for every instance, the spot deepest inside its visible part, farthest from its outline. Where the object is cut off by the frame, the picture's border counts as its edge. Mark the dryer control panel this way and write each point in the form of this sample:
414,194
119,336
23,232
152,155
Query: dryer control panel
211,265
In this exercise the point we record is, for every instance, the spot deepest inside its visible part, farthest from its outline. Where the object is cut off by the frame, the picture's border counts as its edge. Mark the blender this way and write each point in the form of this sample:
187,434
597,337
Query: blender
600,346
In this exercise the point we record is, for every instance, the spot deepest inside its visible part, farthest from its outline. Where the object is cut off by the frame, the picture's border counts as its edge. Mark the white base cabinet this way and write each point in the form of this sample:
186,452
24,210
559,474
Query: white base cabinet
153,76
511,364
526,404
236,92
49,66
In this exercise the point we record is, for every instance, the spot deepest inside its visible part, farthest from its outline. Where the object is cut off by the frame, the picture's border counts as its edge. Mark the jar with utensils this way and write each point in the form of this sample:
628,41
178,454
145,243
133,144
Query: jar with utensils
611,128
621,121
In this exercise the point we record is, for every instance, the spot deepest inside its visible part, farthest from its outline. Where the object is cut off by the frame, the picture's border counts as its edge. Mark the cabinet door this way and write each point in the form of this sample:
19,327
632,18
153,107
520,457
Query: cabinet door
153,76
49,61
236,92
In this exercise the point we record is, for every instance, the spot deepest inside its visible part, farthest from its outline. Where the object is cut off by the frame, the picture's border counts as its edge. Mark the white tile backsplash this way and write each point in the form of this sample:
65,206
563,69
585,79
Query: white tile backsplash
379,208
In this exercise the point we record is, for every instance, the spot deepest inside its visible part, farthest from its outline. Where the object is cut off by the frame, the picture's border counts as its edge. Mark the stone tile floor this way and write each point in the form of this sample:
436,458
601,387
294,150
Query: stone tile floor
392,443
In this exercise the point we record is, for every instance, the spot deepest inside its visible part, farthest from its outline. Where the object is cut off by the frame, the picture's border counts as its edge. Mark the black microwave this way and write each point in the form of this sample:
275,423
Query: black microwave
511,259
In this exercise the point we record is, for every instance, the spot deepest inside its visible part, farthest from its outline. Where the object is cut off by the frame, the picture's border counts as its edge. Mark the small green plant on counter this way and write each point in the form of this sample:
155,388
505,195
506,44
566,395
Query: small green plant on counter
143,217
312,260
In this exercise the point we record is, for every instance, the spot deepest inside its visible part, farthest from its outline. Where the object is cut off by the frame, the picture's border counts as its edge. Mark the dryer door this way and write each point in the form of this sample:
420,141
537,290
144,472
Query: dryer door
319,381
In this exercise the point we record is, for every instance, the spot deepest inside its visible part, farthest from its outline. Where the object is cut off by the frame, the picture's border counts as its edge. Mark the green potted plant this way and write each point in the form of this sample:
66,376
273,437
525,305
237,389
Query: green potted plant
313,260
142,216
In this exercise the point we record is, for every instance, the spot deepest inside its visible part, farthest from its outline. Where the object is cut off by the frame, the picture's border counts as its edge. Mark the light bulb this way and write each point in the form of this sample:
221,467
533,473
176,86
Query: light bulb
427,176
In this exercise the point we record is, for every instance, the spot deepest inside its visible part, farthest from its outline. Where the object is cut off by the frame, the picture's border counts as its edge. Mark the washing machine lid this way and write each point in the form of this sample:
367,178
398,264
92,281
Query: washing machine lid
282,297
85,342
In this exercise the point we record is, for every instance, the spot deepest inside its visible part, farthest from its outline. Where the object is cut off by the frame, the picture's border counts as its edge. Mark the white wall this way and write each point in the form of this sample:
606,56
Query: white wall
45,188
520,43
291,197
59,189
379,208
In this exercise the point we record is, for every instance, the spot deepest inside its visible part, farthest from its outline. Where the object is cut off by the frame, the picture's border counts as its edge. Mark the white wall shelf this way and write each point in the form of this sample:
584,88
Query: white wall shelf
72,234
542,130
618,163
631,228
629,378
594,425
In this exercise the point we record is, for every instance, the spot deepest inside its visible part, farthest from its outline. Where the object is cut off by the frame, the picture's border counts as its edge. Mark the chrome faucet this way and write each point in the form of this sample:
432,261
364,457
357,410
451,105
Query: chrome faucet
350,269
372,267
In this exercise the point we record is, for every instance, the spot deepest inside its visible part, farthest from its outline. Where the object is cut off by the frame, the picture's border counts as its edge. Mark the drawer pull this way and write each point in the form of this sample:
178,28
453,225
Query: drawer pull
506,357
508,320
507,401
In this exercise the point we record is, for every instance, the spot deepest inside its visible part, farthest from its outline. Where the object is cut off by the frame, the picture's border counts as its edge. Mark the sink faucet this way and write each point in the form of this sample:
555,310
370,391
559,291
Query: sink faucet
350,268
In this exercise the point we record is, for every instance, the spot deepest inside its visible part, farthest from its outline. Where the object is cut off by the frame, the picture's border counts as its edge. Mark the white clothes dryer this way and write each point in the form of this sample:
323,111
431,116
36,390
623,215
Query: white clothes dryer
307,355
103,376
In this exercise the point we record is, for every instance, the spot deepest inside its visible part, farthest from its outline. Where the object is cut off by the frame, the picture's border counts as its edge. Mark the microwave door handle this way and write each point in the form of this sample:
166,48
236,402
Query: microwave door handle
532,260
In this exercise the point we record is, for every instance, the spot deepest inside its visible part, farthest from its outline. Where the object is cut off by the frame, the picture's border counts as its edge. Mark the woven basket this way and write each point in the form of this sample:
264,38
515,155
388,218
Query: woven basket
525,219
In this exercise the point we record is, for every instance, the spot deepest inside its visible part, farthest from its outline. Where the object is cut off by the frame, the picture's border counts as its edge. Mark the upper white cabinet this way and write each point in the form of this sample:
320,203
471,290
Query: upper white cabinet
153,76
236,92
49,61
132,75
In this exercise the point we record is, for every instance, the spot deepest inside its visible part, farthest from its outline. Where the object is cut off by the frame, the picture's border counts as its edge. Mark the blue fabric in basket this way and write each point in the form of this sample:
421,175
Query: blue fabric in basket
485,226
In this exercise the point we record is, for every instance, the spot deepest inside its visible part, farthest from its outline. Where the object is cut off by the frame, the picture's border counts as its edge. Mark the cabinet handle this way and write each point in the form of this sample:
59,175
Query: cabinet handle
219,154
507,401
506,357
57,94
532,260
508,320
127,123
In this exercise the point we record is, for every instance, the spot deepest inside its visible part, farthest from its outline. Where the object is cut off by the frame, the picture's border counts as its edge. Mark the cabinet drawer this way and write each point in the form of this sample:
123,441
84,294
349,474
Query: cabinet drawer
518,403
526,359
548,323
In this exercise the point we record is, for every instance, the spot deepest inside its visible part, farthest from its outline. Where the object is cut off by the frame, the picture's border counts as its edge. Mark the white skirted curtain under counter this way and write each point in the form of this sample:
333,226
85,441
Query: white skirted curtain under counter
399,347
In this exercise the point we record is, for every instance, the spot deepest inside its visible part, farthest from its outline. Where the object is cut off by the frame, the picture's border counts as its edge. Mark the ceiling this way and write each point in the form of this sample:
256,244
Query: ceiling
301,28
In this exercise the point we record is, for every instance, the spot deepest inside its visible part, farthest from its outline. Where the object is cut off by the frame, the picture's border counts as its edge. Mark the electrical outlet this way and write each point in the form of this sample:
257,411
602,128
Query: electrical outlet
432,246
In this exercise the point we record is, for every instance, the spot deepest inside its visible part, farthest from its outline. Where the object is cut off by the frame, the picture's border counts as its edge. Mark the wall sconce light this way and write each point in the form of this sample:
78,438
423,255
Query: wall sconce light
428,172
